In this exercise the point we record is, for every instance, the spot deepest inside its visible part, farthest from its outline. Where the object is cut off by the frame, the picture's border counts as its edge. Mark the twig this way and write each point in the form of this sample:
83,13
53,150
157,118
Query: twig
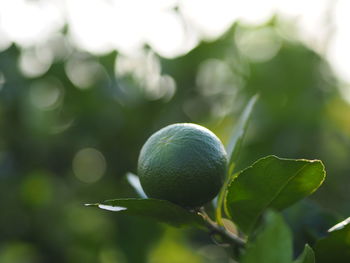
216,229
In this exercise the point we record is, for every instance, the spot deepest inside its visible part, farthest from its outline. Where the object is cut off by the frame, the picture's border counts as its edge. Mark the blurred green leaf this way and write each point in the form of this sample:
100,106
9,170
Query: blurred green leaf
271,182
238,133
233,149
308,256
336,246
273,243
160,210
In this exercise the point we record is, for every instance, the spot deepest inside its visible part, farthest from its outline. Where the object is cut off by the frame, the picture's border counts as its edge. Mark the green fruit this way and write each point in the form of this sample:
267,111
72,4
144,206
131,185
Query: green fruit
183,163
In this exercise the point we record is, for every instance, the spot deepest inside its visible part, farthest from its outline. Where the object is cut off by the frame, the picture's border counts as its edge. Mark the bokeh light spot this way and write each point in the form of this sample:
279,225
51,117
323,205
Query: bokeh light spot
214,76
89,165
219,84
35,62
259,45
145,70
175,42
46,94
84,73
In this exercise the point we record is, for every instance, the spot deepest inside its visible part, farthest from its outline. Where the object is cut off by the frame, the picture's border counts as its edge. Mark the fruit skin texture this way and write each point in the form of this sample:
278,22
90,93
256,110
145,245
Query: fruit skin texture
183,163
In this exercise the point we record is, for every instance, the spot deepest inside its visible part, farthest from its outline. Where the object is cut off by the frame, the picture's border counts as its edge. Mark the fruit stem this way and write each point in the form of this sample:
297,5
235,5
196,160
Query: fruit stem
220,230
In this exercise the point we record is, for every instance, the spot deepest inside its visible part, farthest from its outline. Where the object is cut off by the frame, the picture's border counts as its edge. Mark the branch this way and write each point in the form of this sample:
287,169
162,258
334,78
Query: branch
216,229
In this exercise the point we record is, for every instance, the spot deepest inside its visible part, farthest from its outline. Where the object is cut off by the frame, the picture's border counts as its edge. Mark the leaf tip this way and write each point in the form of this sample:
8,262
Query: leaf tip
112,208
134,181
340,225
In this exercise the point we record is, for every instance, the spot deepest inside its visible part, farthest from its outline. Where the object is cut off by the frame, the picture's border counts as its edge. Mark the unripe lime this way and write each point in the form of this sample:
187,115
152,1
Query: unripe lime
183,163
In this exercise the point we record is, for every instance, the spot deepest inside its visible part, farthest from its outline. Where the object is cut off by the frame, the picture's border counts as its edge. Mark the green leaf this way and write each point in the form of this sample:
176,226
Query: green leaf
273,243
160,210
233,149
336,246
238,133
308,256
271,182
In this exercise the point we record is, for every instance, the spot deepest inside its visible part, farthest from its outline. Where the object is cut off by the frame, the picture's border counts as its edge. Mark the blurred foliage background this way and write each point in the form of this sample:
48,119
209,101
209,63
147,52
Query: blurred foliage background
71,130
